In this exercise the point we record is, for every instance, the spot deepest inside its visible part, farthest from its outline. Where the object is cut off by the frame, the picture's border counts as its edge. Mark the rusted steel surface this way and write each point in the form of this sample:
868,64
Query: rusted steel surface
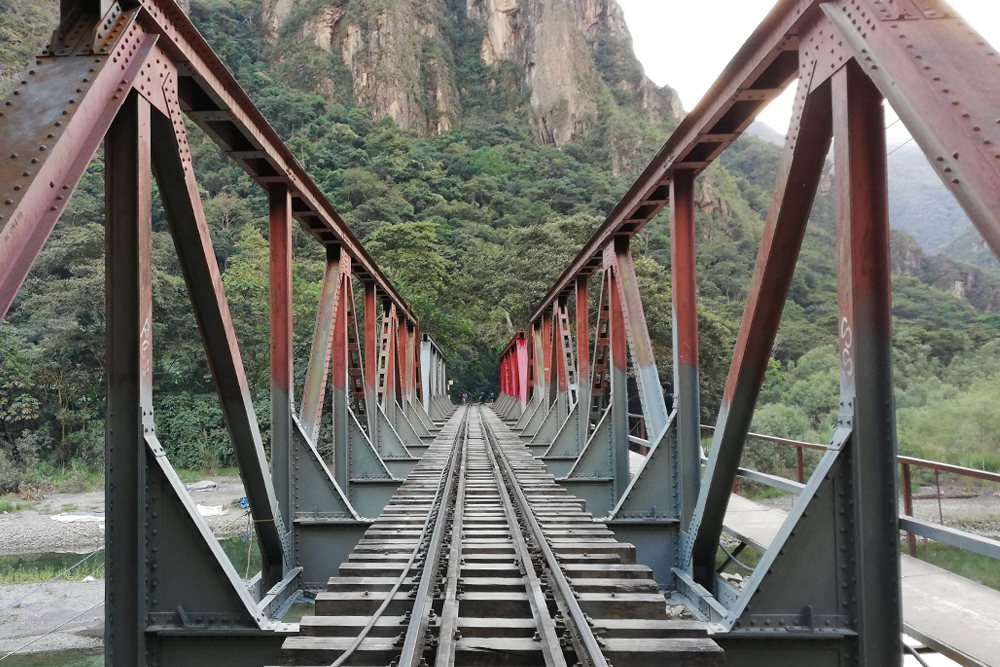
866,389
684,290
798,178
129,329
49,133
280,317
634,322
323,341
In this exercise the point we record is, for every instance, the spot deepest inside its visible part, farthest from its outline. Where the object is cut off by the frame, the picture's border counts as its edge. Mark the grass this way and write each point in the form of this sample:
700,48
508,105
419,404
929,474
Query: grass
188,476
71,658
12,503
972,566
761,492
37,568
69,508
749,557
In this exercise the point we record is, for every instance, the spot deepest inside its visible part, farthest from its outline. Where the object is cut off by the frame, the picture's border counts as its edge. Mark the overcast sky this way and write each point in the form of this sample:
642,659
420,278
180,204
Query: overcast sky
687,43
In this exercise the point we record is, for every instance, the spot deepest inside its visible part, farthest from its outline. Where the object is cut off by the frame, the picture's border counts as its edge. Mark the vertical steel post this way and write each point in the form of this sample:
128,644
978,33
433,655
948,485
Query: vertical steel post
339,388
647,378
318,369
371,356
522,370
583,379
617,373
865,302
128,284
280,292
546,359
911,539
685,320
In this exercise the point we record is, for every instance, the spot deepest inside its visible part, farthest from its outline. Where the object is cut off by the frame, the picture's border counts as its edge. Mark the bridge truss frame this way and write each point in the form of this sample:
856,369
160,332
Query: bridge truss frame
827,591
130,75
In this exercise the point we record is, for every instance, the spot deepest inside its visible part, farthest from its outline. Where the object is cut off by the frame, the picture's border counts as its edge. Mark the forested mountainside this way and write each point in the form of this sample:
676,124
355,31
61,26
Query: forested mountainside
473,146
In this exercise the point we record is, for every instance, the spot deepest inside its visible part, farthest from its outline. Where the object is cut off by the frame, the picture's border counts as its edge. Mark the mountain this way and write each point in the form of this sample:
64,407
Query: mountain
919,203
970,247
425,62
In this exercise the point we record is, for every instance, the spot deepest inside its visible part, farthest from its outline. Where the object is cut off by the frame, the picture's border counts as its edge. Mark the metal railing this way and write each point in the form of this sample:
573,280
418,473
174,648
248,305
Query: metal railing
907,521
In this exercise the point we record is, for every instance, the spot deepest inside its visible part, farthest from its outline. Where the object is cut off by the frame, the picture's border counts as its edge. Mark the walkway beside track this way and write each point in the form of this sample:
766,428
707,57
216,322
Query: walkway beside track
482,559
953,615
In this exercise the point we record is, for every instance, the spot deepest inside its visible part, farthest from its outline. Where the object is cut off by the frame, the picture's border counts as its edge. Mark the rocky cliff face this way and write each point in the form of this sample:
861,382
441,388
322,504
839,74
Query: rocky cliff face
576,57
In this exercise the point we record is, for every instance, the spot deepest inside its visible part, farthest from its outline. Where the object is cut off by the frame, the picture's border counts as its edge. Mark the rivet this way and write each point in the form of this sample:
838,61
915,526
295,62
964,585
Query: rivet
58,123
42,148
13,156
31,71
27,173
17,187
9,201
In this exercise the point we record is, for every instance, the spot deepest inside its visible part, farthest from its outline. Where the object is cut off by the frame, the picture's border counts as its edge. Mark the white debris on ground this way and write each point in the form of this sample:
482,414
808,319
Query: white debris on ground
211,510
74,522
79,517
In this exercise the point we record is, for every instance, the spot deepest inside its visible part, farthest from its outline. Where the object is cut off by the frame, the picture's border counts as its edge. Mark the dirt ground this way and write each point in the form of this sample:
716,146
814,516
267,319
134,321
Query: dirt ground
979,513
78,602
34,530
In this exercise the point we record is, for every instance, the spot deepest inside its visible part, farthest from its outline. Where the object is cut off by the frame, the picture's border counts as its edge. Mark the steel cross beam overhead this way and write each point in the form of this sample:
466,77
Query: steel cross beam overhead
827,591
128,74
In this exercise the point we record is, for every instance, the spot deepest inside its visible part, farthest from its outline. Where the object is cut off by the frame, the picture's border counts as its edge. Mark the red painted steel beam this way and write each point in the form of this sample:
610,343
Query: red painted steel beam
49,136
521,364
634,318
943,80
583,341
213,99
371,352
128,272
323,341
866,392
617,371
798,178
759,72
684,288
280,298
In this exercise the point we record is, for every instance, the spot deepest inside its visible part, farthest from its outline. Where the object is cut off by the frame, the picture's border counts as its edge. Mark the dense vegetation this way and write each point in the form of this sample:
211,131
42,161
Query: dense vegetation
473,226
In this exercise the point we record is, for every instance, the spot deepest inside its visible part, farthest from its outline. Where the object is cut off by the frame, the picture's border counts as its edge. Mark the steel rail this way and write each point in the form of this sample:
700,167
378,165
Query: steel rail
414,643
585,642
545,624
447,473
449,609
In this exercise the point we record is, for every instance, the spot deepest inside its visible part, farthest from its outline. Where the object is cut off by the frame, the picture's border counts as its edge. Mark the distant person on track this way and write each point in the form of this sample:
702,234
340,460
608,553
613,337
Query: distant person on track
668,395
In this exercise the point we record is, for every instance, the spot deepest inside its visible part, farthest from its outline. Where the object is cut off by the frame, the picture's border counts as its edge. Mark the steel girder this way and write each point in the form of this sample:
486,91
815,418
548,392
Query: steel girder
827,590
129,74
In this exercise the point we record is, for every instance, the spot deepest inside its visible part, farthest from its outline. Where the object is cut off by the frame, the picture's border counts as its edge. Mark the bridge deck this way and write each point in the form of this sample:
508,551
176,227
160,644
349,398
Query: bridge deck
951,614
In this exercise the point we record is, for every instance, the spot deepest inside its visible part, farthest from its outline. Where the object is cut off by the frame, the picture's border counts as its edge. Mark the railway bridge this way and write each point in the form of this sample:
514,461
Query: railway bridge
526,532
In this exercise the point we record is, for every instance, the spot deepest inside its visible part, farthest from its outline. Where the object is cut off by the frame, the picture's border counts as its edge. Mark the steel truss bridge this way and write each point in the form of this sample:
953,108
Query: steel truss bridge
514,534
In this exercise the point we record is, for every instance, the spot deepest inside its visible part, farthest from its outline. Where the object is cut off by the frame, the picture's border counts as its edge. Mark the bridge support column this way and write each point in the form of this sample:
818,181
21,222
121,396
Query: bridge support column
866,396
280,287
685,334
129,276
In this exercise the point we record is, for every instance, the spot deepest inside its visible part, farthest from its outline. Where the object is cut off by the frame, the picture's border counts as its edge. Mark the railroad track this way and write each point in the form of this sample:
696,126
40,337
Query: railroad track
482,559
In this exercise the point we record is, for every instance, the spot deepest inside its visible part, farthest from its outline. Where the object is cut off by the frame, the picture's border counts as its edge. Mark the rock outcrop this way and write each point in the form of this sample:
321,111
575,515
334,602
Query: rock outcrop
576,57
